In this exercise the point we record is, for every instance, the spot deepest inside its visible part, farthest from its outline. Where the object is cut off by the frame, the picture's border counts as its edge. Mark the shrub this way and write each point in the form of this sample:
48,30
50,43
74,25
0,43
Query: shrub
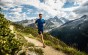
8,44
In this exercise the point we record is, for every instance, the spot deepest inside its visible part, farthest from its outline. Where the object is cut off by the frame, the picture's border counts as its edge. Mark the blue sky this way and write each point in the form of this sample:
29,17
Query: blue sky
69,4
16,10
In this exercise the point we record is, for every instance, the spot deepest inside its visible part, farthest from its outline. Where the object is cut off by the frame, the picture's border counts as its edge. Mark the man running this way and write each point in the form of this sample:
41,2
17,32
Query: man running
39,24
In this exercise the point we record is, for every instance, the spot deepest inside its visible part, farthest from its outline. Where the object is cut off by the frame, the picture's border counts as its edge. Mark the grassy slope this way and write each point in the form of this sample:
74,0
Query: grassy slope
27,46
13,42
49,40
8,44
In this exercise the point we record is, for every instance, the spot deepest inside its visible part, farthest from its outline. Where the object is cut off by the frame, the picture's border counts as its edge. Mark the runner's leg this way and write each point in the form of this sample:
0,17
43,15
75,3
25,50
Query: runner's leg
42,40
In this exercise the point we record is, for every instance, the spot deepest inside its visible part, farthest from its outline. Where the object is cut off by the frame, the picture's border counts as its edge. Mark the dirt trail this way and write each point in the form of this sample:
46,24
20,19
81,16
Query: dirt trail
11,28
48,50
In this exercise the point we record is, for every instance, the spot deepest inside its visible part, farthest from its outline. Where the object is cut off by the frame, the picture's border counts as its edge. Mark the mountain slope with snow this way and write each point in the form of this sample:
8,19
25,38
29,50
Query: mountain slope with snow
51,23
74,33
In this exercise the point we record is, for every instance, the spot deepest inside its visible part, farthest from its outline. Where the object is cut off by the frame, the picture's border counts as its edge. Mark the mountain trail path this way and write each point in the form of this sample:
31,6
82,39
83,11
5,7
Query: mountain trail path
48,50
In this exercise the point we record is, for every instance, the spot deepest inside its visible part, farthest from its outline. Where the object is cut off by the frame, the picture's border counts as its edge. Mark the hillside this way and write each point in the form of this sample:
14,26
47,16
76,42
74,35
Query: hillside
49,40
18,40
74,33
8,44
38,44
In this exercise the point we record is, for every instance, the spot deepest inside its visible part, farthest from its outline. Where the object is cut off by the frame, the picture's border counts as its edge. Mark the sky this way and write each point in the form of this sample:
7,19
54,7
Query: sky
17,10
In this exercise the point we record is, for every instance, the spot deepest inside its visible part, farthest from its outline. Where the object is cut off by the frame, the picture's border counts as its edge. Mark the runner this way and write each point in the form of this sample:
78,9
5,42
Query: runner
39,24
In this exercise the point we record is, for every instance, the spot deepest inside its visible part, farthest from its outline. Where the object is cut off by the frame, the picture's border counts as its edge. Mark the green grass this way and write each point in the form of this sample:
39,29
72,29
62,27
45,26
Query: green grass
28,44
32,48
69,50
61,46
51,41
8,44
23,53
12,43
37,51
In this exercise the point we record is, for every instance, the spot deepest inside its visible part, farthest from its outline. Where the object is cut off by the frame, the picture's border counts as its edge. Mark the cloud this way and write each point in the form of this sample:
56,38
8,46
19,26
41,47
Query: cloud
50,6
77,1
85,4
16,10
83,9
75,12
17,16
47,7
30,10
7,3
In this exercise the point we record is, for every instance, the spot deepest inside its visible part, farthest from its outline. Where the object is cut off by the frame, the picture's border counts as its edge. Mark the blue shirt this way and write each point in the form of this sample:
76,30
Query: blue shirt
40,23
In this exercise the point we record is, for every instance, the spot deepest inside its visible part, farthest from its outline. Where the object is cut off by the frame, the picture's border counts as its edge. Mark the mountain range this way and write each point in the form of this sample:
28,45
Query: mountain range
19,40
51,23
74,33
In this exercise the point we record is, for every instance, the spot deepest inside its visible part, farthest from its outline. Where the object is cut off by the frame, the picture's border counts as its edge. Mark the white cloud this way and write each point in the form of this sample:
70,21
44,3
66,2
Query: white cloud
80,2
7,3
15,13
16,10
78,11
5,8
52,7
17,16
54,4
83,9
30,10
70,9
71,15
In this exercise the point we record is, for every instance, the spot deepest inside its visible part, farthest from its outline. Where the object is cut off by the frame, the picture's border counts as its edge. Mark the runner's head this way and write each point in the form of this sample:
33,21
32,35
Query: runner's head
40,16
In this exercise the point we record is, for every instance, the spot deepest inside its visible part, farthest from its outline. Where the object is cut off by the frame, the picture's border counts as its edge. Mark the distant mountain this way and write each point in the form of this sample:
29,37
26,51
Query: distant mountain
51,23
74,33
26,22
18,40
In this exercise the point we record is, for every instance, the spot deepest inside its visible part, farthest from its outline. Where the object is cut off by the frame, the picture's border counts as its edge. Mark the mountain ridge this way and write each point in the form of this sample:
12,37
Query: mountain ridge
51,23
74,32
19,45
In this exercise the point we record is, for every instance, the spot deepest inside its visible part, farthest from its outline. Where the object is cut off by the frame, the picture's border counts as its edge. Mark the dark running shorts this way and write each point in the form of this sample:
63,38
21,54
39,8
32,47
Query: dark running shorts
40,31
